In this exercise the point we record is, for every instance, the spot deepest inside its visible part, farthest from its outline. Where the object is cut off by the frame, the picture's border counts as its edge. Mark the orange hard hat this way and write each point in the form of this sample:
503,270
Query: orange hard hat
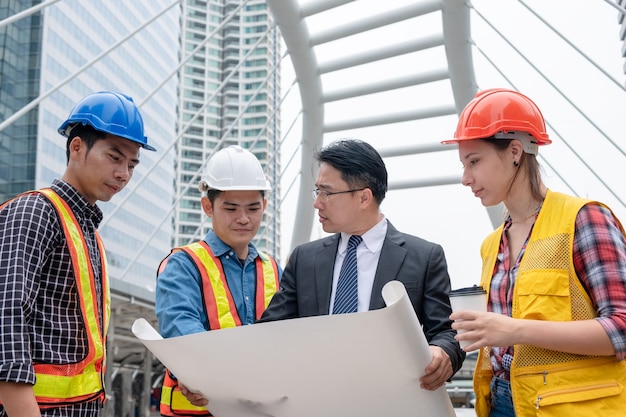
503,114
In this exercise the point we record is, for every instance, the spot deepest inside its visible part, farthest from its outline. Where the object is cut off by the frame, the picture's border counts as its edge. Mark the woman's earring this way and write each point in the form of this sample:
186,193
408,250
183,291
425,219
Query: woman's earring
515,164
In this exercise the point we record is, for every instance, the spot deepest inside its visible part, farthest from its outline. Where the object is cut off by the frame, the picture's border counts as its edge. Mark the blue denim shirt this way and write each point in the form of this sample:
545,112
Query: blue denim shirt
179,305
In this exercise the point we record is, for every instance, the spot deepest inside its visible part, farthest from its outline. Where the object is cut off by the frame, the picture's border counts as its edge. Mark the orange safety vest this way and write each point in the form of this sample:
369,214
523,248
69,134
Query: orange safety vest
221,315
63,384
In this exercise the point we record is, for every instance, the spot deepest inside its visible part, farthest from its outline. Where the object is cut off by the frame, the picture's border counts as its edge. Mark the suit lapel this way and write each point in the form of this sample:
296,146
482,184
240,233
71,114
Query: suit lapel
391,257
323,275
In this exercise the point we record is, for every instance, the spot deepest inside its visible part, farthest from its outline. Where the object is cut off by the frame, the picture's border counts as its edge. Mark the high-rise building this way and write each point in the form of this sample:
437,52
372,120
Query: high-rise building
19,85
229,94
62,52
621,19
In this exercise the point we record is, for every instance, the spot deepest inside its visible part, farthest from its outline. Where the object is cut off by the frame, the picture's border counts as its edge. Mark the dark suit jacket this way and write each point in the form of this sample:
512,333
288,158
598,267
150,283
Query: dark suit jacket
306,284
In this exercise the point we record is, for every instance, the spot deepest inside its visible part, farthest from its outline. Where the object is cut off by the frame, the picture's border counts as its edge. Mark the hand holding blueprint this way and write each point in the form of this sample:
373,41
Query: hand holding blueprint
364,364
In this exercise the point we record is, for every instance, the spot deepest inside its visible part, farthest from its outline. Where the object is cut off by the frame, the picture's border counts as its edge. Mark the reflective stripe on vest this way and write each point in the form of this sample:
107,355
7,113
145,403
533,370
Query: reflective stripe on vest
174,403
270,286
221,311
218,300
78,382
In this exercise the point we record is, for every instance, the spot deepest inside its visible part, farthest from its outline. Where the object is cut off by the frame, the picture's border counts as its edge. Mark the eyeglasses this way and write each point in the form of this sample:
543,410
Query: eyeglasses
325,194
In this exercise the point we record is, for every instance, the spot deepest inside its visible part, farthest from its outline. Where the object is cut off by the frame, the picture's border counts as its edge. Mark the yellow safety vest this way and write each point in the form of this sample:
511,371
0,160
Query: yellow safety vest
546,382
62,384
221,311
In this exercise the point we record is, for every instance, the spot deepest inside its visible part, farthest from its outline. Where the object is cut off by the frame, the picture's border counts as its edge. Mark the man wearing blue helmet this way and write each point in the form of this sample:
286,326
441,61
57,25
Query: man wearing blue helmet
54,292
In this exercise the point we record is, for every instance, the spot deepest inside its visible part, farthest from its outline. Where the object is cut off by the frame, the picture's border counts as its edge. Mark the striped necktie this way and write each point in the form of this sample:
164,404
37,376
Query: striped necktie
347,295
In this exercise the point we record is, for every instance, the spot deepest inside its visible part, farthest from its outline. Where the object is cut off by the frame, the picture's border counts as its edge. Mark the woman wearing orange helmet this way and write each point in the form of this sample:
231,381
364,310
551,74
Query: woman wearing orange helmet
554,338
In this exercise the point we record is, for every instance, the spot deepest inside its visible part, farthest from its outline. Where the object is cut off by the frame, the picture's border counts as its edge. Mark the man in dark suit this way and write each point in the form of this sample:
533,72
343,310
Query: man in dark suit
351,185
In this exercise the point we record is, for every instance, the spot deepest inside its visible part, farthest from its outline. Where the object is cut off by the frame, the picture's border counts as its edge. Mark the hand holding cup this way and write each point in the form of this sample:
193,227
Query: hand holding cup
469,298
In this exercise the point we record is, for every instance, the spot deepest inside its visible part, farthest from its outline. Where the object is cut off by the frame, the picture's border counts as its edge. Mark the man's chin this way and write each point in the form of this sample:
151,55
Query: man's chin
104,197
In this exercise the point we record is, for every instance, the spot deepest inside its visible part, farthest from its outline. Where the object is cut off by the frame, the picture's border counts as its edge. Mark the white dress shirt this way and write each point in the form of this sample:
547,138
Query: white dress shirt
367,255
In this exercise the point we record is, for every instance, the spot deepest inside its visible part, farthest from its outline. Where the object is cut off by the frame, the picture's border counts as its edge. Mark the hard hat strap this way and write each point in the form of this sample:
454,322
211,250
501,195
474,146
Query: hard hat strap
529,143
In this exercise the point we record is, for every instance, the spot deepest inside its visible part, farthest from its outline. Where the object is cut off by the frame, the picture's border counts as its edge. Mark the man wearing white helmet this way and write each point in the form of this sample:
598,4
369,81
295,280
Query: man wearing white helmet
54,293
223,280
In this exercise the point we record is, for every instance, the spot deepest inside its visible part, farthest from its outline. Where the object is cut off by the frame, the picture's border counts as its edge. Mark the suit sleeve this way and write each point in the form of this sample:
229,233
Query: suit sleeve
436,308
284,303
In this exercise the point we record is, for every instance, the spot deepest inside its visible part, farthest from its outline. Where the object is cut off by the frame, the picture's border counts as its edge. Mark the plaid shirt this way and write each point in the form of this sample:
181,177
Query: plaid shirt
600,263
40,315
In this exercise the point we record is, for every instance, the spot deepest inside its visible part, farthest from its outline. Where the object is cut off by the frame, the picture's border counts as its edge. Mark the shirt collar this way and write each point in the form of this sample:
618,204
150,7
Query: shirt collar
77,202
220,248
372,239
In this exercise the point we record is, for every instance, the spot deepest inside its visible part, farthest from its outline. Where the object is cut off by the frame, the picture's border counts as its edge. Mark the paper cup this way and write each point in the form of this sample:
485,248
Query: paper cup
469,298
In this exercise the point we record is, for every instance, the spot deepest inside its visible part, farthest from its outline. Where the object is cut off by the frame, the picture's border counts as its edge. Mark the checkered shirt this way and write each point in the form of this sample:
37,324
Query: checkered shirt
40,315
600,263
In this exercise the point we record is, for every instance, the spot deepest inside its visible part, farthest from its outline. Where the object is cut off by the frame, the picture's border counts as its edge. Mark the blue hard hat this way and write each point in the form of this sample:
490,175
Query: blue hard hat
113,113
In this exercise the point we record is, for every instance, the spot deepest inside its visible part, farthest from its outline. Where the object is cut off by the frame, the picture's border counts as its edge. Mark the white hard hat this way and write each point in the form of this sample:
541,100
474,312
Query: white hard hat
233,168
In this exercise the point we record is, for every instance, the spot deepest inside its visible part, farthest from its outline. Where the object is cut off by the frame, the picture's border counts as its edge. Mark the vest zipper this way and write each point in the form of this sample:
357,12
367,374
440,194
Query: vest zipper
569,391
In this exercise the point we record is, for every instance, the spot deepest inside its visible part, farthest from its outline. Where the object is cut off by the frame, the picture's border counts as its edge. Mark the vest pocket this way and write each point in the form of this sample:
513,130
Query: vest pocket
543,295
559,402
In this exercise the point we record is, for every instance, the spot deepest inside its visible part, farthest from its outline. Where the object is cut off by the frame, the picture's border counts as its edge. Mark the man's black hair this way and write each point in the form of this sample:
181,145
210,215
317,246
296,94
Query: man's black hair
361,166
87,133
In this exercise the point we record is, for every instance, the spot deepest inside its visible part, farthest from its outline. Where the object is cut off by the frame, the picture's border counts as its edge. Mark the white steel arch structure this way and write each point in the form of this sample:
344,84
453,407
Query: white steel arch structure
291,17
438,39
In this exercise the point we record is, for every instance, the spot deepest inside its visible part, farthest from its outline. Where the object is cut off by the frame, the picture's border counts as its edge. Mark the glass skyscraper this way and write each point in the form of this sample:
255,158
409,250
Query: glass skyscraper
20,48
64,52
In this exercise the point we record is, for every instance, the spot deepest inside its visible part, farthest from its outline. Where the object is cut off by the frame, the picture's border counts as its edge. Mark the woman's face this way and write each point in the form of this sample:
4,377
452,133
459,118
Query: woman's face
486,171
